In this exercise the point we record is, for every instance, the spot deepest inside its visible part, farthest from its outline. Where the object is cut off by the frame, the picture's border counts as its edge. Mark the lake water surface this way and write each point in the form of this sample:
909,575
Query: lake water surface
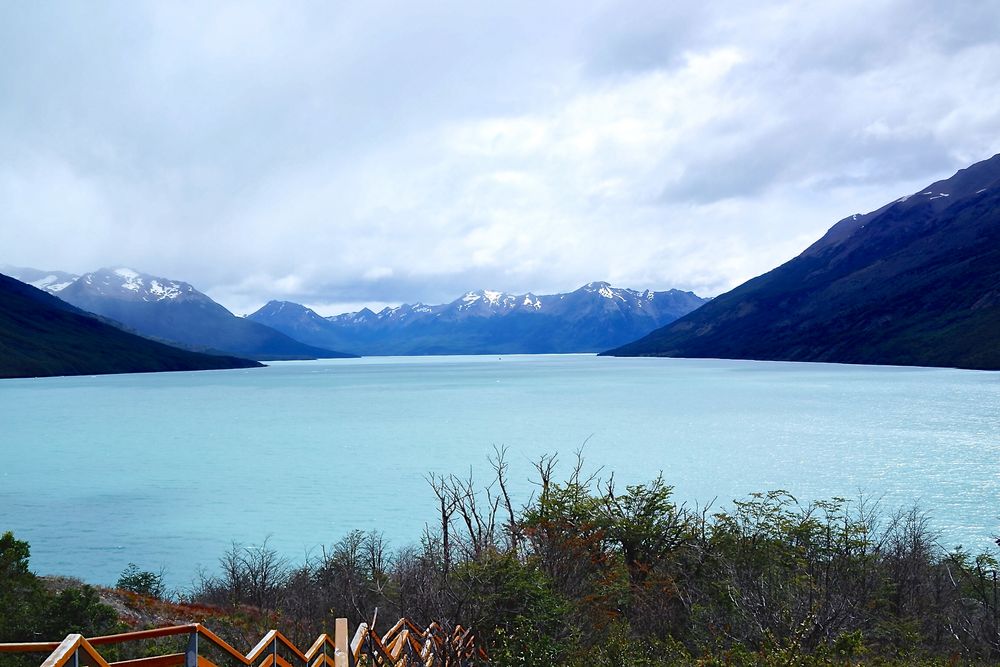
167,469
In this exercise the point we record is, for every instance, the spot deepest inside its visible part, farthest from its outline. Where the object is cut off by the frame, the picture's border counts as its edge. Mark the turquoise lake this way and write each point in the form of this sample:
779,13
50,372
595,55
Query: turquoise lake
168,469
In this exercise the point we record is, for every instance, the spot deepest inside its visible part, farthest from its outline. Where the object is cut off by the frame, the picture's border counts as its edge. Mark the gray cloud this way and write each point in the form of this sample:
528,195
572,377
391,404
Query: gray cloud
387,152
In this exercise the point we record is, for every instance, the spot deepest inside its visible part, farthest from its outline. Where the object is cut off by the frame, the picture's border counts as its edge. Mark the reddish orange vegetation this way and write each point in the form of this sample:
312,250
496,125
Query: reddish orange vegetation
140,612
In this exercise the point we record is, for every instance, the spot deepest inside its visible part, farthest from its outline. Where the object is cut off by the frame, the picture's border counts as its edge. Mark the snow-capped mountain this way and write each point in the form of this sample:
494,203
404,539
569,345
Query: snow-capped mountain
50,281
589,319
42,335
174,311
130,285
120,283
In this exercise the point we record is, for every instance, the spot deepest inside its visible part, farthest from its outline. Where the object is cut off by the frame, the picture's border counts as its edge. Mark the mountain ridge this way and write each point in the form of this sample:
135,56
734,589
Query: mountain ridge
176,313
41,336
915,282
49,281
488,321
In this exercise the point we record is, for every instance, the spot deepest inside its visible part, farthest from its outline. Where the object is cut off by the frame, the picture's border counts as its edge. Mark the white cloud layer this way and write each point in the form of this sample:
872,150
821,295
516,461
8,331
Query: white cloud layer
380,153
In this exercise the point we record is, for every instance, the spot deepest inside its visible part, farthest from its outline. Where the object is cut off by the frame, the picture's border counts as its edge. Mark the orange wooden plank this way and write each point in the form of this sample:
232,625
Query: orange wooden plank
388,634
29,647
144,634
396,647
318,644
217,641
155,661
358,640
296,651
75,645
290,646
63,652
273,660
257,650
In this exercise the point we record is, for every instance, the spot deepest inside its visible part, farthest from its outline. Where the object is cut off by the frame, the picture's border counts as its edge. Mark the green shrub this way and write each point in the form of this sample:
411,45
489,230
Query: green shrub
30,613
142,582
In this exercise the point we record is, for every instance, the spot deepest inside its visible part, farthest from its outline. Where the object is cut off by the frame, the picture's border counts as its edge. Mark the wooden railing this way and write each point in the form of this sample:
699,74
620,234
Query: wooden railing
403,645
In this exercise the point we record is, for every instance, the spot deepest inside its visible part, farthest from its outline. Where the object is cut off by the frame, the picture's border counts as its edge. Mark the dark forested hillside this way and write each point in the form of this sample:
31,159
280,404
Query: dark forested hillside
176,312
41,335
916,282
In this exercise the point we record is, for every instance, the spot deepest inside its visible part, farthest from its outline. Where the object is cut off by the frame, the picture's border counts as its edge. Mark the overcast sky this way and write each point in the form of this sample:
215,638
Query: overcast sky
339,154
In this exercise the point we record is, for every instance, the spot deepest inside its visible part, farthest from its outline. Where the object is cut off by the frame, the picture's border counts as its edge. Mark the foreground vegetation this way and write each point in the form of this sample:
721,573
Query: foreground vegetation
588,573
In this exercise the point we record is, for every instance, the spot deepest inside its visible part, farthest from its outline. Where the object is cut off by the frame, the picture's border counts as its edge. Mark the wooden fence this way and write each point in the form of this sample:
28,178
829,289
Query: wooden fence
403,645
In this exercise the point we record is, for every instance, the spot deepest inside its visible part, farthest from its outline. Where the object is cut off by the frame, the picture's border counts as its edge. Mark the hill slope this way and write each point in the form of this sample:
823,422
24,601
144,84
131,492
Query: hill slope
41,336
916,282
176,312
589,319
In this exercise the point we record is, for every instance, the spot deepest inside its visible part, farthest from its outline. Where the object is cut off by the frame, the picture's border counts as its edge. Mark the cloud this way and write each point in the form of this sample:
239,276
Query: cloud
388,152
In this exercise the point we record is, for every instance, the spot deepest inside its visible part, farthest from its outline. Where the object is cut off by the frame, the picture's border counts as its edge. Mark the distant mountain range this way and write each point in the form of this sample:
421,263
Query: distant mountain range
170,311
41,335
595,317
916,282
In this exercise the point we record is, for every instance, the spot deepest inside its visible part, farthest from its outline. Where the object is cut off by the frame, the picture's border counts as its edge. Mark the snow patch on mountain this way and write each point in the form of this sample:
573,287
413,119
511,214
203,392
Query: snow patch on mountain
51,283
132,280
131,284
170,291
492,296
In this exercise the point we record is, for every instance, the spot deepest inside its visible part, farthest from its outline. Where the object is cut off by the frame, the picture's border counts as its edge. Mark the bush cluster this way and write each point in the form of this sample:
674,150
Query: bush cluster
588,573
142,582
31,612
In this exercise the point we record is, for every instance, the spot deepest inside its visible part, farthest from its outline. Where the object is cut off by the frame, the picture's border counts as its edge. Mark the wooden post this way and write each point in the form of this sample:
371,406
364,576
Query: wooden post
341,655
